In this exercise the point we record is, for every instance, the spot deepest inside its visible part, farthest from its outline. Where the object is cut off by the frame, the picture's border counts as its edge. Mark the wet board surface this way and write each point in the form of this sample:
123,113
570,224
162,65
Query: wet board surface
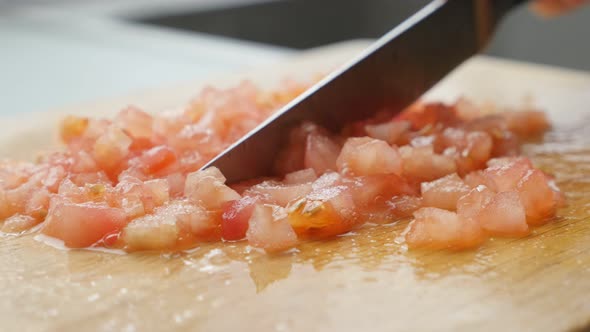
361,281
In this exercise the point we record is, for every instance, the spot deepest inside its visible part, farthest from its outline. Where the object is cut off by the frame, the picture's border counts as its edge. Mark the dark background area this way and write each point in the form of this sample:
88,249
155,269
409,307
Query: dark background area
302,24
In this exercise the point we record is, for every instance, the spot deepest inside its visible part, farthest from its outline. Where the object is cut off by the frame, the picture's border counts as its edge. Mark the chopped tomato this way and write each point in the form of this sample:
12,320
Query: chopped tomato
437,228
368,156
134,182
234,222
81,225
320,153
444,192
504,215
269,229
537,197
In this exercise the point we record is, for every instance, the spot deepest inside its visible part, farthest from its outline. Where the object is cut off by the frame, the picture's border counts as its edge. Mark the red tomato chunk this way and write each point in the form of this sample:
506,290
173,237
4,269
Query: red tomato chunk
134,183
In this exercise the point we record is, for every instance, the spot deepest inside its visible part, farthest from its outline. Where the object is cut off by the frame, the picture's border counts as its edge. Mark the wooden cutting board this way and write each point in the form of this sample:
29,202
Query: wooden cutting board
362,282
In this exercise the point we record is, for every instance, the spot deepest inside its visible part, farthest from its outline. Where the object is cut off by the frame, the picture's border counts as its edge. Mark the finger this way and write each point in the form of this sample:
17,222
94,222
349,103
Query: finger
551,8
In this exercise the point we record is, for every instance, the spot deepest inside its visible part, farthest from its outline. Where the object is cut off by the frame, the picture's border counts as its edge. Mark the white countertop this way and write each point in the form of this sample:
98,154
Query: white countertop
51,59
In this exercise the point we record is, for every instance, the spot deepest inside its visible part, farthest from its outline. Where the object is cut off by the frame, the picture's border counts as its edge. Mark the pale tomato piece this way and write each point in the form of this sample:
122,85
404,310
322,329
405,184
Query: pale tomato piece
368,156
505,143
234,220
504,215
83,162
291,158
81,225
195,219
504,175
371,190
437,228
537,197
276,193
526,123
422,164
299,177
470,205
156,231
72,127
176,184
471,150
38,204
135,122
477,178
111,149
424,115
444,192
53,178
269,229
320,153
5,209
404,206
389,132
157,191
18,223
208,189
155,160
81,179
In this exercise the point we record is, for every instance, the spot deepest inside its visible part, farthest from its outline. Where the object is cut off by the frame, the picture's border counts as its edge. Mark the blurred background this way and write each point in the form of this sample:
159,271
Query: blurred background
60,52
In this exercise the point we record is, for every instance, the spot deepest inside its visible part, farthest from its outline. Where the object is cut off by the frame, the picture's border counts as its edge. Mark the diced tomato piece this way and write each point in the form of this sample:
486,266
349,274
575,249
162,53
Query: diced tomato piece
176,184
269,229
537,197
72,127
291,158
374,190
279,194
82,224
318,219
477,178
470,205
234,222
18,223
320,153
135,122
38,204
437,228
156,159
471,150
208,189
505,143
389,132
151,232
368,156
302,176
526,123
504,175
110,149
404,206
5,206
205,225
422,164
422,115
504,215
444,192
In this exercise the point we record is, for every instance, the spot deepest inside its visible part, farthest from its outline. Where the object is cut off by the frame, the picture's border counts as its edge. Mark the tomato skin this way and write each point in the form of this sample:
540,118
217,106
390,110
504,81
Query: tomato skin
235,216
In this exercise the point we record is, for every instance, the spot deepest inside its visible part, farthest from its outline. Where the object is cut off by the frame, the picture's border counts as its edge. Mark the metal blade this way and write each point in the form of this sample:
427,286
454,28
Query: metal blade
392,73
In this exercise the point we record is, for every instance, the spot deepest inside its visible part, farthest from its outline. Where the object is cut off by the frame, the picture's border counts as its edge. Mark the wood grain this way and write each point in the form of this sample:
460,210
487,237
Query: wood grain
364,281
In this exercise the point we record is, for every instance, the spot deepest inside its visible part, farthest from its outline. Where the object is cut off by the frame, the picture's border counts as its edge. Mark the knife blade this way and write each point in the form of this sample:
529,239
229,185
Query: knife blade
390,74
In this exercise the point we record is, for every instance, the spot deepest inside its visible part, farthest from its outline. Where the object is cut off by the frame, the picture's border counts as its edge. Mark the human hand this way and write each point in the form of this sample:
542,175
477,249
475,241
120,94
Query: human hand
550,8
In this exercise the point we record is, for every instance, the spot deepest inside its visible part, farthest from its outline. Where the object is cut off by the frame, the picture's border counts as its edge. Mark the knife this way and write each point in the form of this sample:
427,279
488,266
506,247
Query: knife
392,73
